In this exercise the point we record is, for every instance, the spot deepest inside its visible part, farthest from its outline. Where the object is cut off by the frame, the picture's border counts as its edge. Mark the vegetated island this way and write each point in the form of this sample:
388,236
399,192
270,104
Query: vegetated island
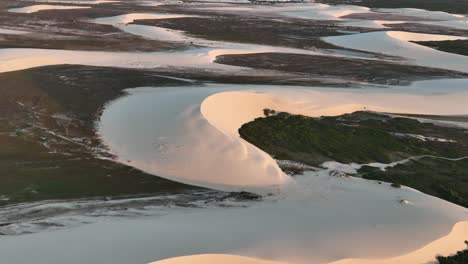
436,162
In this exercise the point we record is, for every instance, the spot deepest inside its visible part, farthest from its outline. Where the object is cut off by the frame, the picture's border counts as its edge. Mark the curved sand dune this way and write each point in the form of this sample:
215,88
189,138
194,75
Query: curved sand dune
23,58
190,135
444,246
214,259
78,2
215,117
313,11
148,130
130,18
150,32
20,59
321,11
409,36
397,43
13,59
369,23
320,221
37,8
421,13
12,31
205,161
243,107
460,24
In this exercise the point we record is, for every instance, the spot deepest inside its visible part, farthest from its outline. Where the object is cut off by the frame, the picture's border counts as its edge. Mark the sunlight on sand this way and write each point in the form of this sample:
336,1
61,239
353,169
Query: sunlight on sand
189,134
78,2
37,8
214,259
12,31
396,43
443,246
408,36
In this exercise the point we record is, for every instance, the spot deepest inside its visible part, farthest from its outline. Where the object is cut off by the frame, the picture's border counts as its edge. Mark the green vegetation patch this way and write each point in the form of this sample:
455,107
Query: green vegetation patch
365,137
460,258
29,172
360,137
40,108
442,178
452,46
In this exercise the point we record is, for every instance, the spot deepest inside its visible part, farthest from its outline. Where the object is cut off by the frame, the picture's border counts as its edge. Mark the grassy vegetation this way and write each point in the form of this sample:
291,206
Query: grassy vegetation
460,258
29,172
452,46
364,137
37,165
361,137
438,177
450,6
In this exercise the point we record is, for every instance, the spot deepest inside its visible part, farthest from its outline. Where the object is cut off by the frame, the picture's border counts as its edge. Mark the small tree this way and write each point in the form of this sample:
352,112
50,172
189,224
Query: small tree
267,112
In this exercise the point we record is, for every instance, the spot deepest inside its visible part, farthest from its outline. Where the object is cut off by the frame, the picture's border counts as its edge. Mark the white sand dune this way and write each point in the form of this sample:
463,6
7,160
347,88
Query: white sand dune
393,43
129,18
420,16
7,31
20,59
218,116
190,135
397,43
459,24
313,11
409,36
369,23
421,13
227,111
37,8
150,32
321,11
205,161
243,107
123,22
320,221
214,259
444,246
156,33
76,2
311,219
